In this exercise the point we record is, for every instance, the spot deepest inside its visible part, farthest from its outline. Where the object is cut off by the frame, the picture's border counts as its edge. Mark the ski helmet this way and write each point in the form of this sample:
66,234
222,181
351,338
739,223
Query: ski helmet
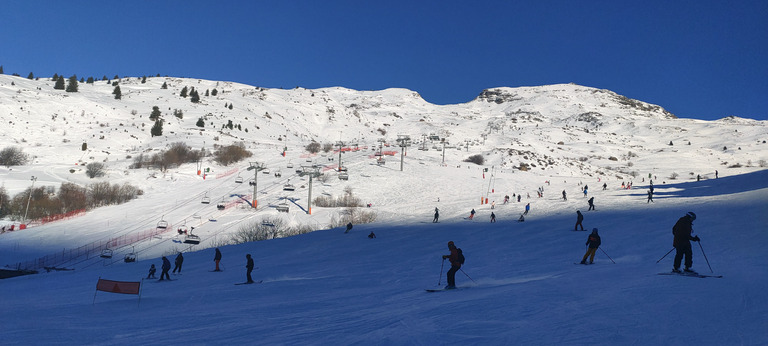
450,243
691,215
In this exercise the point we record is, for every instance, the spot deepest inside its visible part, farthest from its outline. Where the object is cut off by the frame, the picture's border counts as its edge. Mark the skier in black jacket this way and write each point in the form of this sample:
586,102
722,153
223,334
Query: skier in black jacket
579,219
682,231
594,242
217,259
177,263
249,266
166,267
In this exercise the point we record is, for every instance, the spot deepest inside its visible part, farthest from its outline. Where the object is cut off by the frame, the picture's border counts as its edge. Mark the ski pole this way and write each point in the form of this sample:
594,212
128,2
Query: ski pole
441,273
662,257
462,270
609,257
705,257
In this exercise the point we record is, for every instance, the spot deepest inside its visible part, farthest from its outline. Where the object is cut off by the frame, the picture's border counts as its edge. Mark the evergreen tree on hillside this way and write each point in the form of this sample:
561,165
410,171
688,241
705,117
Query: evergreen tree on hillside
89,81
157,128
164,86
72,86
104,78
55,77
214,92
184,91
31,76
230,106
195,96
118,94
207,93
60,85
1,69
116,77
200,122
143,79
82,80
155,116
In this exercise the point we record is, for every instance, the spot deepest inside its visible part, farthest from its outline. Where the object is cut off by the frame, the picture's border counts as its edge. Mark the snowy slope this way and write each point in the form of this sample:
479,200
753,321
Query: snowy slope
330,288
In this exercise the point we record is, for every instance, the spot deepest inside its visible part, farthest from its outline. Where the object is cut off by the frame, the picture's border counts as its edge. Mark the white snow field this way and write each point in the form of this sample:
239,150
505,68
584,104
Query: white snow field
519,285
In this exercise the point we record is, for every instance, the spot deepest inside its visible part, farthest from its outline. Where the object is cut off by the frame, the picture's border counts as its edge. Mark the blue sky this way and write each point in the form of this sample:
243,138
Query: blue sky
698,59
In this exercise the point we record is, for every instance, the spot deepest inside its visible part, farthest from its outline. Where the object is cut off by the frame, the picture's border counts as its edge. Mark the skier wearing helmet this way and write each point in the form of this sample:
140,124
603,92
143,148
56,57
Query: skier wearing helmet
682,231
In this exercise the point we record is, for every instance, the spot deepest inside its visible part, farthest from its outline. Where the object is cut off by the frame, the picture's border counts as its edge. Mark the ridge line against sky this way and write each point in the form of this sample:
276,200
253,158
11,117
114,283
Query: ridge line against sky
697,59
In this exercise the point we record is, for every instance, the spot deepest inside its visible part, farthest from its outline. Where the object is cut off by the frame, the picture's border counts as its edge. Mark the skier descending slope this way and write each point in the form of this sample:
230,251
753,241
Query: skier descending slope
682,242
453,257
594,242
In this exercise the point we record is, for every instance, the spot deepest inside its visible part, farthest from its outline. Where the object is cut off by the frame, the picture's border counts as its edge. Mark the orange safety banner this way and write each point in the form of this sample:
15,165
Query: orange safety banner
124,287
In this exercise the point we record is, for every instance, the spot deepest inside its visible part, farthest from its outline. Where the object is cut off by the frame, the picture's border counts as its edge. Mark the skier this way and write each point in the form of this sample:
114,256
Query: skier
591,202
217,259
493,205
437,215
650,197
472,214
585,190
594,242
493,217
518,198
605,186
527,208
349,227
579,219
716,174
564,198
372,235
152,271
166,267
682,242
177,263
521,219
453,257
506,199
249,266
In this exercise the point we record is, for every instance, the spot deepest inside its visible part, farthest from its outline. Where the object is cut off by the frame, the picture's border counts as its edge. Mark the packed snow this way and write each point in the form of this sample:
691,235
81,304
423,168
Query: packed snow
519,285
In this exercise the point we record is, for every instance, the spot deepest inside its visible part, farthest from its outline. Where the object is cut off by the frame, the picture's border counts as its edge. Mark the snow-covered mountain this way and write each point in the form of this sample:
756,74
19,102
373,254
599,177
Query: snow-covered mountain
327,287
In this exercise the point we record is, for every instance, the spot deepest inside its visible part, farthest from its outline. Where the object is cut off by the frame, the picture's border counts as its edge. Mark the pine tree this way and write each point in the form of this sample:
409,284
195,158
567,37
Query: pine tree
214,92
230,106
200,122
59,83
207,93
118,94
55,77
157,128
104,78
183,92
195,96
82,80
155,115
72,85
143,79
31,76
164,86
90,80
1,69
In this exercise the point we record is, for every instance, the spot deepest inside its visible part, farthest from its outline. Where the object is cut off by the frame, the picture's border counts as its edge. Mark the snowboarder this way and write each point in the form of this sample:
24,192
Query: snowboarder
165,267
591,202
152,271
594,242
453,257
650,197
437,215
527,208
217,259
579,219
349,227
372,235
249,266
472,214
521,219
493,217
564,198
682,242
177,263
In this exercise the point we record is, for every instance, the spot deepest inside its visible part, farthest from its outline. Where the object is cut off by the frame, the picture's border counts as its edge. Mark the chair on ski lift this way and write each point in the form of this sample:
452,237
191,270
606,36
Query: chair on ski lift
265,171
192,239
288,186
205,199
283,206
106,253
343,176
252,182
162,224
239,179
278,174
130,258
221,206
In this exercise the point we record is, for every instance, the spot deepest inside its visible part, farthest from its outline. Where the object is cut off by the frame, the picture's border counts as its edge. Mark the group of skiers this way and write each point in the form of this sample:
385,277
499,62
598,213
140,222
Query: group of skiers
166,266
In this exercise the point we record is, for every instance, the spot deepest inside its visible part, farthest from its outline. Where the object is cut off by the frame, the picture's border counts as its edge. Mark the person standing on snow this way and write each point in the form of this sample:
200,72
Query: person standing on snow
682,242
177,263
349,227
249,267
591,202
594,242
579,219
493,217
564,198
437,215
166,267
217,259
472,214
527,208
152,271
650,196
453,257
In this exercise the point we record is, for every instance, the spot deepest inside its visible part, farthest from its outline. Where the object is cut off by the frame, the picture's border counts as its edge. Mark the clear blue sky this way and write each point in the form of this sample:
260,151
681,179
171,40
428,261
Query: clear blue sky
698,59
